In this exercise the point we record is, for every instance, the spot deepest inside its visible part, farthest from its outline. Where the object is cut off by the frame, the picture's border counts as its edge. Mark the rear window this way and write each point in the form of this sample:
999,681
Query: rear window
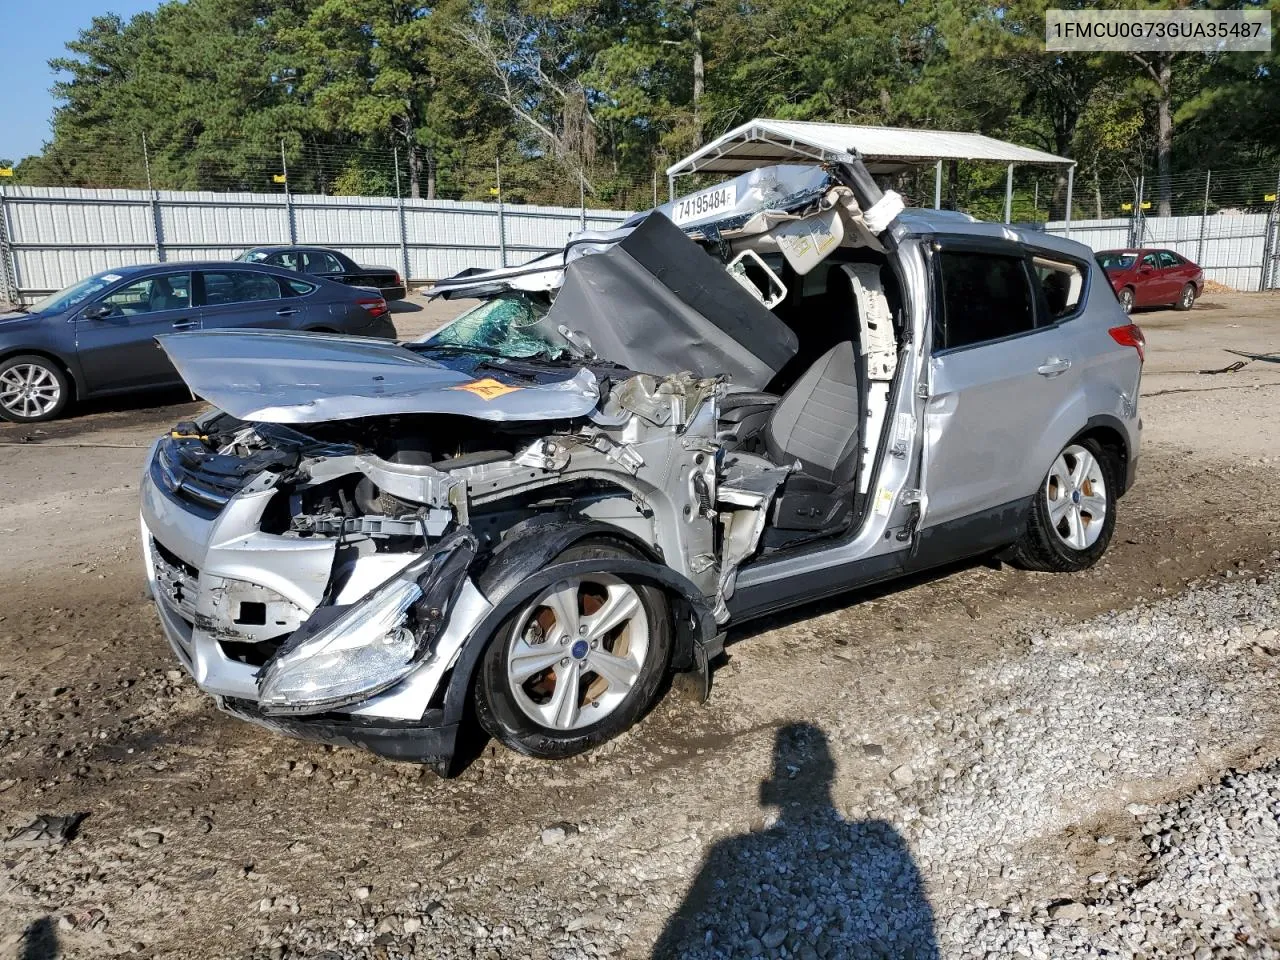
1168,259
985,297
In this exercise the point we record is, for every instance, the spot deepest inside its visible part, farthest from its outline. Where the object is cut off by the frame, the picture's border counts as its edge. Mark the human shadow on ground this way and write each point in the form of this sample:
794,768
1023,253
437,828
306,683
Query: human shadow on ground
812,882
40,941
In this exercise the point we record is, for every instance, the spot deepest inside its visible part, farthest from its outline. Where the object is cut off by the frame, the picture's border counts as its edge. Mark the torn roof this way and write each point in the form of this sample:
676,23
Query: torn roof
764,142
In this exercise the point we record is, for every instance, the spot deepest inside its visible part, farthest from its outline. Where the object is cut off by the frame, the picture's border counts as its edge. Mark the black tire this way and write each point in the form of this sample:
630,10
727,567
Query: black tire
1186,298
498,705
51,382
1043,547
1126,298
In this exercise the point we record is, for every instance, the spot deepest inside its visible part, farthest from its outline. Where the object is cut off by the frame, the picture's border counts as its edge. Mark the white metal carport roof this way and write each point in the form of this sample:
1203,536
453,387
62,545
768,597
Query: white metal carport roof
884,150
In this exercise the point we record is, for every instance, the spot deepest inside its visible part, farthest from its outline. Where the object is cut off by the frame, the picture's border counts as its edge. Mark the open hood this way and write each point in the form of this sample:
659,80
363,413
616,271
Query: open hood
313,378
655,302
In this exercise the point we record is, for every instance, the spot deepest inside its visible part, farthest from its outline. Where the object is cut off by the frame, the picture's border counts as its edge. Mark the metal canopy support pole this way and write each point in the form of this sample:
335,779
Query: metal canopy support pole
582,203
1008,195
157,223
937,186
288,199
1204,215
671,186
502,220
404,231
1071,182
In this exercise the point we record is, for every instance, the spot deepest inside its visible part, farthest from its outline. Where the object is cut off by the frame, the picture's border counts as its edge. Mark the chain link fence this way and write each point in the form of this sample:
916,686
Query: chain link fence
83,207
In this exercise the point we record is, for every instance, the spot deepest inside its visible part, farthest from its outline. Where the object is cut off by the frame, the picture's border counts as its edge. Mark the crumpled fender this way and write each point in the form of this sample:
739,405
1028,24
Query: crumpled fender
522,566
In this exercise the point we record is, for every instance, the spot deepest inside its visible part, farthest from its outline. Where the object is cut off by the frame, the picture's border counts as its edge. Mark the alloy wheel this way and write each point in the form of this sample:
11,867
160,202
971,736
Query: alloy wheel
577,651
1188,297
1076,494
29,390
1126,300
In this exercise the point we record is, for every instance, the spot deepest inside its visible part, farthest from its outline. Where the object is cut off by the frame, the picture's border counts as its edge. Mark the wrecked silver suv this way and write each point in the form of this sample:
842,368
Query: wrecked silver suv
573,489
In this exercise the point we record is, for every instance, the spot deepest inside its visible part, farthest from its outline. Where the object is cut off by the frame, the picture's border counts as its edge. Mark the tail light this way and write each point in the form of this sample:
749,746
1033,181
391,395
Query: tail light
377,306
1130,335
399,282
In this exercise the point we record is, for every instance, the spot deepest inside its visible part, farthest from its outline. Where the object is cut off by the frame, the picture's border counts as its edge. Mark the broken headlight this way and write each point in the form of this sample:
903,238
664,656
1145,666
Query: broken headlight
359,651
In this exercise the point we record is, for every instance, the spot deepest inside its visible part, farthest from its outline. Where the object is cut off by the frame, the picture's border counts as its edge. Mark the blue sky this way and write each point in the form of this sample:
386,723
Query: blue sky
32,31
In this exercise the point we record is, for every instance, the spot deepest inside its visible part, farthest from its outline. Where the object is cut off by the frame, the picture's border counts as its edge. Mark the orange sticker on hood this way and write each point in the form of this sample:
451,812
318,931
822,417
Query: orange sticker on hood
487,389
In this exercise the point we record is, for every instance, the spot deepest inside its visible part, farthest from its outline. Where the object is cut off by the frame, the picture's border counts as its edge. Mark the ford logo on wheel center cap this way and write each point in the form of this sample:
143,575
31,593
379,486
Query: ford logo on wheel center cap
579,649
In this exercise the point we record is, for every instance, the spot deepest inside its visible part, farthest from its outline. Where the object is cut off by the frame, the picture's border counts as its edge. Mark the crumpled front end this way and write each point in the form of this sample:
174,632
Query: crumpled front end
326,583
302,634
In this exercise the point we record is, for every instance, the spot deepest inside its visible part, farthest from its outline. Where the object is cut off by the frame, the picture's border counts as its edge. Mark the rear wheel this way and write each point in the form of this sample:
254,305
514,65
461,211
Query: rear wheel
576,665
32,389
1126,299
1186,299
1073,514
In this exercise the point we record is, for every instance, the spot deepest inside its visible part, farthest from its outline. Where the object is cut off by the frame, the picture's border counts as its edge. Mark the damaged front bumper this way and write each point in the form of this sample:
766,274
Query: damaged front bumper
247,611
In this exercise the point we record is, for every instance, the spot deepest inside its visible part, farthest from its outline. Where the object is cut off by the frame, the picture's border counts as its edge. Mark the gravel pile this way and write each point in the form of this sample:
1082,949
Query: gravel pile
1210,890
985,843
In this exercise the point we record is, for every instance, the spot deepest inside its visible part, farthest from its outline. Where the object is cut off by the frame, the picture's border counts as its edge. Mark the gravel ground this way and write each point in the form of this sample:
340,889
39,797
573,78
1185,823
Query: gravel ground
954,854
976,763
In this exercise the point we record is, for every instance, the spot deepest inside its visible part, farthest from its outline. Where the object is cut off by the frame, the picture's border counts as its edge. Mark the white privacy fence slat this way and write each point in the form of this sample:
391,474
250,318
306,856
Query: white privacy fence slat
53,236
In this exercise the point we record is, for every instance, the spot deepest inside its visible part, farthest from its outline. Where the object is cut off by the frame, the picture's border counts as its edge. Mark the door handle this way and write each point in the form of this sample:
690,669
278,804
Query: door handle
1053,366
285,313
185,324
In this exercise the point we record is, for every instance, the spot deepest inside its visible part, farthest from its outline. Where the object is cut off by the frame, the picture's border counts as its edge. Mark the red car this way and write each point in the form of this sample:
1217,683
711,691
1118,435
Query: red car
1149,278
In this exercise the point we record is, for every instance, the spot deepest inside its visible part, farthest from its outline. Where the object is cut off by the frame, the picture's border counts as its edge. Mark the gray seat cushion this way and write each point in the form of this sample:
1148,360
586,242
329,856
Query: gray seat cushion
818,420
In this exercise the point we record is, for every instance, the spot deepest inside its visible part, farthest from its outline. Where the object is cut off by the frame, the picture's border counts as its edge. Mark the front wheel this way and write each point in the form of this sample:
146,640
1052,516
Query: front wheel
1186,299
32,389
577,664
1074,512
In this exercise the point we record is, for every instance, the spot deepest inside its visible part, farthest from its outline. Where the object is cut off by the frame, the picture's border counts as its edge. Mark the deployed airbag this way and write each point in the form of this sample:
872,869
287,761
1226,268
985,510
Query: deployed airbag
657,303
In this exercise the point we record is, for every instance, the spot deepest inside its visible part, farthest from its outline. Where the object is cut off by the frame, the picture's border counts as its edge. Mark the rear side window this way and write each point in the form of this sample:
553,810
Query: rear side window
1168,259
297,288
1061,284
238,286
985,297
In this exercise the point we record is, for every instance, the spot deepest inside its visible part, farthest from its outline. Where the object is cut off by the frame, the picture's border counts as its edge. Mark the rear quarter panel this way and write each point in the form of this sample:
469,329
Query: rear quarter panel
1110,377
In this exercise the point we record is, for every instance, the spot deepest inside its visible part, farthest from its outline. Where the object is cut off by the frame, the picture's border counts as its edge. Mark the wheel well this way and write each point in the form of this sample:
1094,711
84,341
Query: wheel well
52,358
1113,441
321,330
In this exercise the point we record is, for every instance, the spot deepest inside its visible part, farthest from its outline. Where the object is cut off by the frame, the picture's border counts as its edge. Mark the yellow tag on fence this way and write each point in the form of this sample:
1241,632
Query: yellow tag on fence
278,178
6,171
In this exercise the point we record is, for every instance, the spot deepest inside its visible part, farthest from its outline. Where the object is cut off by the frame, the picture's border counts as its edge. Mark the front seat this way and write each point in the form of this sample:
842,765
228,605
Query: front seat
162,296
819,420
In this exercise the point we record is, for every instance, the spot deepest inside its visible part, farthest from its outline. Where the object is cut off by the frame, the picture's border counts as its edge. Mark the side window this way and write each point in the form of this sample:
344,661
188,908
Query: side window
1168,259
287,260
170,291
297,288
1150,261
1061,283
320,262
238,286
985,297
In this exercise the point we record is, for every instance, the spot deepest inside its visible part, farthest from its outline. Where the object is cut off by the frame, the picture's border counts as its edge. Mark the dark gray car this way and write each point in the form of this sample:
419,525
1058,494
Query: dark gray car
96,337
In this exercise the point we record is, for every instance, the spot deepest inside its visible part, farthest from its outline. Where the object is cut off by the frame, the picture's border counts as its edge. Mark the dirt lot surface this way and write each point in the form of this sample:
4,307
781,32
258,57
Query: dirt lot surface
206,837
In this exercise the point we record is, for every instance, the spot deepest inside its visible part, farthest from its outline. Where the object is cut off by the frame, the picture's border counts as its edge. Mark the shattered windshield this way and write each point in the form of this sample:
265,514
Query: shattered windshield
507,325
